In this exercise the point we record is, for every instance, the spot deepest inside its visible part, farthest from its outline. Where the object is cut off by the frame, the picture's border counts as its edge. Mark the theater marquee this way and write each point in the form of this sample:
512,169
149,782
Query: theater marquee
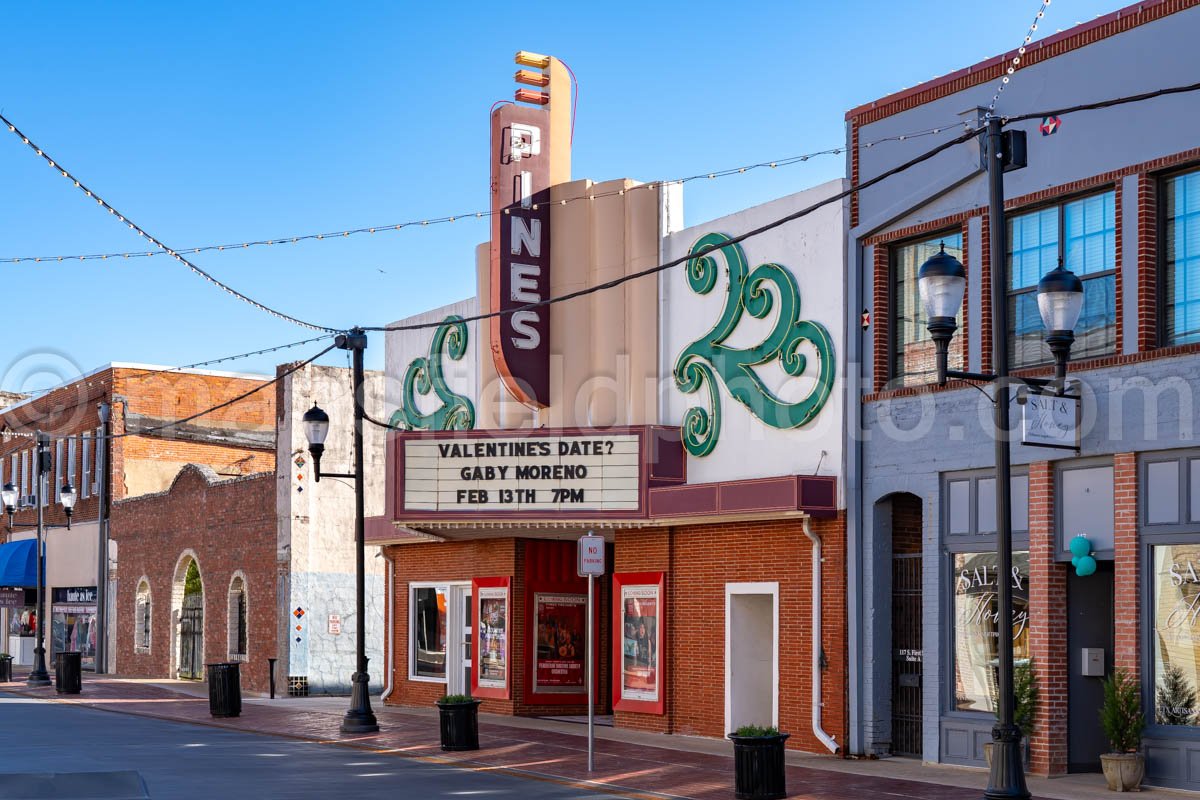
535,474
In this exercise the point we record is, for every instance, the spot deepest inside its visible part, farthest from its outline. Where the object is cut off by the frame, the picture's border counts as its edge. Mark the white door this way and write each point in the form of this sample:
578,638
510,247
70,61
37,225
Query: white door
462,627
751,655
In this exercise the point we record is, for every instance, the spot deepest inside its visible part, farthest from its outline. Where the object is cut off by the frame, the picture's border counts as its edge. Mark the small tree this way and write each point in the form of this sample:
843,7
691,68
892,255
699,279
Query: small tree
1121,715
1025,691
191,580
1175,698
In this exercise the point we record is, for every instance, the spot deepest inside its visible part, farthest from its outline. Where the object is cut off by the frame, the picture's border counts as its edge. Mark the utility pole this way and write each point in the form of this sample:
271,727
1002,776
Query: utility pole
102,460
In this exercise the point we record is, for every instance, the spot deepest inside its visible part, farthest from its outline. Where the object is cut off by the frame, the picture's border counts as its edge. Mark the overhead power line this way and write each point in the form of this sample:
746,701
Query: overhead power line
424,222
158,244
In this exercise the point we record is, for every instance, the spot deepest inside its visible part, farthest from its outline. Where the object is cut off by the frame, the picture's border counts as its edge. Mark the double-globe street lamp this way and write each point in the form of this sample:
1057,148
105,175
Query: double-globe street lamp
941,282
39,676
359,718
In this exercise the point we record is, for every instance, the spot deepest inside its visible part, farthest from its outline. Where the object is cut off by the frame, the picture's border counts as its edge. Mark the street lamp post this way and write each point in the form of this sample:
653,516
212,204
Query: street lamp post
359,718
39,676
941,281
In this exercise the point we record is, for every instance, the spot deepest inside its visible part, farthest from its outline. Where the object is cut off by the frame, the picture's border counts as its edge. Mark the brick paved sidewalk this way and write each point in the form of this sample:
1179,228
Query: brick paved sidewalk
633,768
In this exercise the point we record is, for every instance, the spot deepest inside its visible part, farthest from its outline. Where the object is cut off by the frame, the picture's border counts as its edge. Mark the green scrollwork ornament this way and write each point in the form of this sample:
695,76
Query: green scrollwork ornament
425,376
709,357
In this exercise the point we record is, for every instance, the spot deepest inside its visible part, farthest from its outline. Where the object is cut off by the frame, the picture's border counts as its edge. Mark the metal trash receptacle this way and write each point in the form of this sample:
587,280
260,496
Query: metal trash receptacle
68,672
6,662
225,689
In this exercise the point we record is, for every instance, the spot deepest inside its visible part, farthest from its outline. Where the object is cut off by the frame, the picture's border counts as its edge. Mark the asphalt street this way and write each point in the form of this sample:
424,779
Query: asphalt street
179,761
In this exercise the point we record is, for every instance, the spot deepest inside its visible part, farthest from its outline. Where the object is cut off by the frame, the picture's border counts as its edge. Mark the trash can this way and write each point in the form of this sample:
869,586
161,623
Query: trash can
5,668
758,767
225,689
68,672
459,724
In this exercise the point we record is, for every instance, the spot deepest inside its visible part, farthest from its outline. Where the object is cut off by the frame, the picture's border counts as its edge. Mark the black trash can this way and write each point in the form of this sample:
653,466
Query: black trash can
225,689
6,668
68,672
758,767
460,724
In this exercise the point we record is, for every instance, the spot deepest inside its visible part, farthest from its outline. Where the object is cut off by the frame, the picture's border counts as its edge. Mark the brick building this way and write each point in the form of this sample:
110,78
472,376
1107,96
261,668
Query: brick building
1113,198
140,459
690,420
270,556
226,529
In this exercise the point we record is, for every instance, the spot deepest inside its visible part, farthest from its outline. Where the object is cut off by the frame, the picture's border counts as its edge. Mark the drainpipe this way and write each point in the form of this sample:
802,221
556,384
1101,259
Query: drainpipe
818,731
389,643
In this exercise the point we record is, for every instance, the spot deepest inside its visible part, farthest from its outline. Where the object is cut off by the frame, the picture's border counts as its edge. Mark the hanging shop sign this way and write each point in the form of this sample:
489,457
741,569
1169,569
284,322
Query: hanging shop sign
538,474
520,251
560,643
1049,420
12,598
638,638
491,657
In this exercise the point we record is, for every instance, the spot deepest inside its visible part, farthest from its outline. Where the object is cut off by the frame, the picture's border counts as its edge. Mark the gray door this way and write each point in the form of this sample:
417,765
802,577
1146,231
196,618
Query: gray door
1089,624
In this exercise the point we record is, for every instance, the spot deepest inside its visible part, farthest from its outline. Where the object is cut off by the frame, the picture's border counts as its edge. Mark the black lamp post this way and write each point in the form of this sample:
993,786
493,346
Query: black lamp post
39,676
359,718
941,280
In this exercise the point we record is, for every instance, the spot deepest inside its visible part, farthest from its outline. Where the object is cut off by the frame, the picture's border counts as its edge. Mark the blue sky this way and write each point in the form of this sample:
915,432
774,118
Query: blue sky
221,122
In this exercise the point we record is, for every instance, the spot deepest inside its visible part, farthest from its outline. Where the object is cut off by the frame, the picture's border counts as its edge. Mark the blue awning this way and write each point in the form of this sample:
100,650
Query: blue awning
18,563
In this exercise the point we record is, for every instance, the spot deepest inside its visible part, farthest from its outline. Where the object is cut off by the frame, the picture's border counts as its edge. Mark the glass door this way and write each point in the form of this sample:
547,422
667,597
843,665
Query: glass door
462,627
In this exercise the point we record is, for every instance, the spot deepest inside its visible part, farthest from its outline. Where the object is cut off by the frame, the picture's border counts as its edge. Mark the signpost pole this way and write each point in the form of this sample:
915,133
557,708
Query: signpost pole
591,686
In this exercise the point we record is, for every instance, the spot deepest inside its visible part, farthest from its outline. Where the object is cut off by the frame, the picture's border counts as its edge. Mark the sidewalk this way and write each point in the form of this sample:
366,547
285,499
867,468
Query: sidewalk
638,765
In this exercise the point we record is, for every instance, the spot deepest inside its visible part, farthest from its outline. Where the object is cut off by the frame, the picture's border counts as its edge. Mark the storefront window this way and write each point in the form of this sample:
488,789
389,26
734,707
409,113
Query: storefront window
429,631
73,623
976,612
22,621
1176,587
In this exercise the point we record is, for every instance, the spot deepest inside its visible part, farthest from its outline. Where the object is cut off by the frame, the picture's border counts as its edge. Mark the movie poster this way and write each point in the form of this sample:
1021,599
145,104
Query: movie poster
493,637
561,644
640,643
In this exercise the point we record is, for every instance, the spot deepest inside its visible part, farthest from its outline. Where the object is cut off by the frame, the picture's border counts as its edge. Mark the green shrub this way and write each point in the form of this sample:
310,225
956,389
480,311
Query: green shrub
1121,715
756,731
452,699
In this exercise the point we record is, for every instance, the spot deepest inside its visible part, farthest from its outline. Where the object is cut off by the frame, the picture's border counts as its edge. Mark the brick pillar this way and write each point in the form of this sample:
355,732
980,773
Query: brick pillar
1126,594
1047,626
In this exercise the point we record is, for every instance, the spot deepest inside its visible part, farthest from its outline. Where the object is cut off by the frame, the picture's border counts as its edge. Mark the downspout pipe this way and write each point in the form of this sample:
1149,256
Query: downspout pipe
818,731
389,637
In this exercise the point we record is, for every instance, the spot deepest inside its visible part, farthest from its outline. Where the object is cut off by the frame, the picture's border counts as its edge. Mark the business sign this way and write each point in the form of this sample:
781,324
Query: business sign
12,598
80,595
553,473
1049,420
520,251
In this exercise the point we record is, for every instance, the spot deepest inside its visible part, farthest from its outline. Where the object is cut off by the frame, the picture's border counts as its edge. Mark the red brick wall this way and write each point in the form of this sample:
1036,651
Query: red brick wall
699,560
484,558
1047,626
230,526
1127,598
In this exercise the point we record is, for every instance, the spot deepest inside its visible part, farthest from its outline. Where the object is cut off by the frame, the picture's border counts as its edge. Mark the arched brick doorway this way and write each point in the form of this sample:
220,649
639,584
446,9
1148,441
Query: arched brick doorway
187,617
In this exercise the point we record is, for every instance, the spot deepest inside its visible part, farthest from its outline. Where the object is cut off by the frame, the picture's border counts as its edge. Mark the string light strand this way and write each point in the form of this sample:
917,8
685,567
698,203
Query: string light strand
1015,63
58,167
425,222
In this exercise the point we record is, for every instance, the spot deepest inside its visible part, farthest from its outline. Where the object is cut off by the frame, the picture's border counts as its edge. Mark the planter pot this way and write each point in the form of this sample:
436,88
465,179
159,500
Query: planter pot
1124,771
987,753
460,725
758,767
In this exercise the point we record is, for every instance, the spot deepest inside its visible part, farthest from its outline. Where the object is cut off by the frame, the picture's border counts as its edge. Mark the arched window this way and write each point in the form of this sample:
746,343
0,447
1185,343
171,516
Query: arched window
142,614
238,619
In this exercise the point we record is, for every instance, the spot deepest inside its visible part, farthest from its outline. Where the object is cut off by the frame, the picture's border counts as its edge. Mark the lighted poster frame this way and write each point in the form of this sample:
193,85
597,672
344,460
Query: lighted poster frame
491,590
650,586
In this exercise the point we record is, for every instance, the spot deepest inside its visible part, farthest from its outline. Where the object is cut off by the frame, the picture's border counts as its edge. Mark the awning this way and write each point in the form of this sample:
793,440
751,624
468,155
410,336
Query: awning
18,563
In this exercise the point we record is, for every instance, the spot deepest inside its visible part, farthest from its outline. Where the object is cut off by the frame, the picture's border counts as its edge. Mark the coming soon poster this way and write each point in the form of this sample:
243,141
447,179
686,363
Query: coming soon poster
640,643
493,637
561,642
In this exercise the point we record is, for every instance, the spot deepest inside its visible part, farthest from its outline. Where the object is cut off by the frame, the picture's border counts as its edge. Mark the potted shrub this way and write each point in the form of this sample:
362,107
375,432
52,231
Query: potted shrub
1025,692
459,722
5,667
1122,720
758,767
